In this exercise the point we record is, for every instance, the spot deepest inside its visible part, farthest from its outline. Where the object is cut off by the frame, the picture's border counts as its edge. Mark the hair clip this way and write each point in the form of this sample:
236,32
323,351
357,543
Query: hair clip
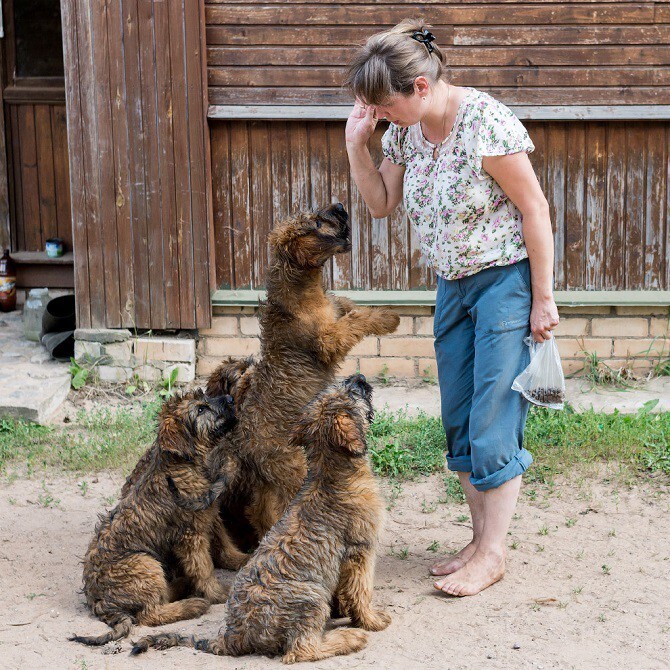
425,37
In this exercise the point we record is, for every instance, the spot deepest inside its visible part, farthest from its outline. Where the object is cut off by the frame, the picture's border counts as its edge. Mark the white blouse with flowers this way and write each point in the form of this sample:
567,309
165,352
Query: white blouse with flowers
464,220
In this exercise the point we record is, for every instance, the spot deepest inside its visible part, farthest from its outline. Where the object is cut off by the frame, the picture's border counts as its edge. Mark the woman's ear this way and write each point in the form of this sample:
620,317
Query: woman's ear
421,86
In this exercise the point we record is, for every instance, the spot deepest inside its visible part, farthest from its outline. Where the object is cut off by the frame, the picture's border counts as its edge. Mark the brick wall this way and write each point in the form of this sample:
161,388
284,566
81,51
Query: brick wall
636,337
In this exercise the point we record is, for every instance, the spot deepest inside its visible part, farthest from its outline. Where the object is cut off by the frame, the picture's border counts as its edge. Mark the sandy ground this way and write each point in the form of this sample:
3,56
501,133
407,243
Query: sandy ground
558,607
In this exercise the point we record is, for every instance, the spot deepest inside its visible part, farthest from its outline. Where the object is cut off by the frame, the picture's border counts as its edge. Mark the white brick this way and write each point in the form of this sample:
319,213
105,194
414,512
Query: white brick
249,325
186,372
86,349
114,373
179,350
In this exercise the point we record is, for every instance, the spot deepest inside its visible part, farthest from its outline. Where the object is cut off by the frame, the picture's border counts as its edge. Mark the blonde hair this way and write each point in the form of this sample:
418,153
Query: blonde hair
390,61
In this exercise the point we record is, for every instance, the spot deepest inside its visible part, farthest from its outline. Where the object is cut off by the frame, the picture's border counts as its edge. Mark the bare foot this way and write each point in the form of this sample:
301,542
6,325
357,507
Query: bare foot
482,570
448,565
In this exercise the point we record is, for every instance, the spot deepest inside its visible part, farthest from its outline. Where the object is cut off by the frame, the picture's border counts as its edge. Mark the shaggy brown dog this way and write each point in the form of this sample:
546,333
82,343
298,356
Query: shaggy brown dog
305,336
148,539
323,546
231,377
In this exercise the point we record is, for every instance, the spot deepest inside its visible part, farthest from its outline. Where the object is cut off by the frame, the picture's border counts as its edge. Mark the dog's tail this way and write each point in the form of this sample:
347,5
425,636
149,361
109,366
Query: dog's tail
119,630
166,640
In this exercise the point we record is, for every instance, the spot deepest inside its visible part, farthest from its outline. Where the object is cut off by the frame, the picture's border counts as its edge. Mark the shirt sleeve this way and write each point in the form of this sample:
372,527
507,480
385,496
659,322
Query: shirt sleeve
499,133
392,144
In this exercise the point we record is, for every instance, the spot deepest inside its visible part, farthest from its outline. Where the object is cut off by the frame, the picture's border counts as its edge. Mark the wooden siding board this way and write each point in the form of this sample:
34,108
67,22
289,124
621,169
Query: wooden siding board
241,205
596,205
319,178
655,222
574,206
123,190
556,166
166,165
635,207
261,180
280,159
198,282
76,165
30,189
615,239
183,190
16,188
45,171
61,174
224,252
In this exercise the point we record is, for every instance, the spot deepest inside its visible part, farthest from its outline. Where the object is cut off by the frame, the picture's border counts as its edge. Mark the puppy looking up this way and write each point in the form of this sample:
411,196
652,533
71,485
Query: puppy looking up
305,336
323,546
147,537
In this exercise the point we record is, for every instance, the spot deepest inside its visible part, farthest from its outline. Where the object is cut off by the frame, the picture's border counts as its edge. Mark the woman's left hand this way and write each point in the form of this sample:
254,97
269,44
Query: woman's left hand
543,318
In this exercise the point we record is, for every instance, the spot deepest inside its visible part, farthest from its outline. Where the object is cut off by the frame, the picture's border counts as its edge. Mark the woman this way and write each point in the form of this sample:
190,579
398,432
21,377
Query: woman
459,159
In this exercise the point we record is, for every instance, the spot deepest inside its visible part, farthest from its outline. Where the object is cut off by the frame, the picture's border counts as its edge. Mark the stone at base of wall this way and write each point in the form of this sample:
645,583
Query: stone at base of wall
115,355
620,337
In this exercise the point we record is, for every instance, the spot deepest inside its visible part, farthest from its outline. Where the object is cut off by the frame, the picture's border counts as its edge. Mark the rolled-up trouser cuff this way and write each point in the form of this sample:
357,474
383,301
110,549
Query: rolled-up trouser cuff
517,466
459,463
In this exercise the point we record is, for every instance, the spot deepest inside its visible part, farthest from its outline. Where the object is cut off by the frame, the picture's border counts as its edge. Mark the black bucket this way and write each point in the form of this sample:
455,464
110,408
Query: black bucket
59,345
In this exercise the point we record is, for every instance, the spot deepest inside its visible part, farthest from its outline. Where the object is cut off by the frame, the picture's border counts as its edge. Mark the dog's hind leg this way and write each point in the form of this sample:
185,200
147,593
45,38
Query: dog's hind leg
354,592
167,640
338,642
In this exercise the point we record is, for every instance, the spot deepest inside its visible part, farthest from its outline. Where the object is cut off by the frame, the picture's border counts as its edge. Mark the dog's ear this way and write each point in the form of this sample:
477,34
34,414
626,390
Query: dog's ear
171,438
290,244
346,434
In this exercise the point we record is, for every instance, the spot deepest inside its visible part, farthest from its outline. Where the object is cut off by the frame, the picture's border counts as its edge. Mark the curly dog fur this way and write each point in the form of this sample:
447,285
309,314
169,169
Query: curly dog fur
323,546
305,336
149,549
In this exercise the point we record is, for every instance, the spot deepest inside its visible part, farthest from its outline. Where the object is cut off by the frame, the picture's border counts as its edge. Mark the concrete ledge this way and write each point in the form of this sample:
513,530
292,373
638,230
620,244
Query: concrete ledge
251,297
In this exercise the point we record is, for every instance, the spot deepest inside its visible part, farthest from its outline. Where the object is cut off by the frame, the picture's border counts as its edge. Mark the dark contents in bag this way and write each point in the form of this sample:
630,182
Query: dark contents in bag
547,395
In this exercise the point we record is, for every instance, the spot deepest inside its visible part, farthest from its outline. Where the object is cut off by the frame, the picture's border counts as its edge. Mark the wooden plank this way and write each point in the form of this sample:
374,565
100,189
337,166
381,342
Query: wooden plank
615,237
222,189
16,189
261,197
280,159
253,3
30,190
525,97
183,189
574,205
538,157
635,206
556,165
45,171
523,112
241,205
148,92
319,178
103,152
166,166
136,175
655,222
300,172
75,159
596,205
529,56
568,35
123,191
198,155
503,76
61,174
327,14
339,192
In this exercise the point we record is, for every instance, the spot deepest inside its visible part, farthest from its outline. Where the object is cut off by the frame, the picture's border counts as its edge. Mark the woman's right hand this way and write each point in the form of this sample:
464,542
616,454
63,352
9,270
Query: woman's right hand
361,125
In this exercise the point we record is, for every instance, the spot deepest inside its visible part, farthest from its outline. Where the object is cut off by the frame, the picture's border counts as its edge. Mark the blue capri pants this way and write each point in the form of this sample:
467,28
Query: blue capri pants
480,324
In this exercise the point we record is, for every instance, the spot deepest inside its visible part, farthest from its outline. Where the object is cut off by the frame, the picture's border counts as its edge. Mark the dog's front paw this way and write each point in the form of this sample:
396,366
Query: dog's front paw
383,321
216,592
375,620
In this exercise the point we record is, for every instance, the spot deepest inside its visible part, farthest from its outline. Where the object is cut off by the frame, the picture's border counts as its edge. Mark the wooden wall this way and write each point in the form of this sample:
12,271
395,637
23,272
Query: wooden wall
39,175
139,162
532,52
607,185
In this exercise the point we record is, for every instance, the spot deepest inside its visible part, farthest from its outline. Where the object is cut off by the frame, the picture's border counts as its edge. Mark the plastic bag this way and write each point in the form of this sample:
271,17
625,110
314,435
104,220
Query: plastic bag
542,382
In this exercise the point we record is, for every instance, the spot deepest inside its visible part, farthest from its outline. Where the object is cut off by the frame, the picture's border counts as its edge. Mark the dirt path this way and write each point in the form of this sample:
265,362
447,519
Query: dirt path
557,608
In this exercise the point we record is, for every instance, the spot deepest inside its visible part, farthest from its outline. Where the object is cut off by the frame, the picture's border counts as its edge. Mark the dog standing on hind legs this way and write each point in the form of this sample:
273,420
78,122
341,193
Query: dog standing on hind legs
306,334
323,546
149,549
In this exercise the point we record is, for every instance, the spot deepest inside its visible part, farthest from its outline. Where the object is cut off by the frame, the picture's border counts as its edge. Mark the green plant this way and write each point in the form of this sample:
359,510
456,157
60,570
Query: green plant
79,374
434,546
570,522
83,488
462,518
402,554
428,508
428,376
600,373
45,499
167,384
606,569
543,530
383,375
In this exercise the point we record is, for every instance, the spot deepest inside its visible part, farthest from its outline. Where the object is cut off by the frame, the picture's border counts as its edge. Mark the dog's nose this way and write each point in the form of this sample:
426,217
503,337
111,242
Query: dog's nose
339,208
228,399
359,379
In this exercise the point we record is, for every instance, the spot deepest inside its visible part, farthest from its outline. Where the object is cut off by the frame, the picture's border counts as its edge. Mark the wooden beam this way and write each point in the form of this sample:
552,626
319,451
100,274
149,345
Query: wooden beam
247,298
524,112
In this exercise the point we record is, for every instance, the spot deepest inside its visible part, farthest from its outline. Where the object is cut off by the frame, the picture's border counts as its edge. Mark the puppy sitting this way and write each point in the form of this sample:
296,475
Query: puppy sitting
140,544
323,546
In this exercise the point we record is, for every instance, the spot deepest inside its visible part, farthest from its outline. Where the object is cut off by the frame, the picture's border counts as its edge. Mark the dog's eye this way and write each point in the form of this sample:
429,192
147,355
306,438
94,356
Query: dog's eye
318,223
201,409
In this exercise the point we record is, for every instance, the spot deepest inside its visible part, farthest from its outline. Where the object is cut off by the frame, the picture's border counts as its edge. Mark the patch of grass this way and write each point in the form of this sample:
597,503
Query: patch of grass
402,554
94,441
543,530
434,546
570,522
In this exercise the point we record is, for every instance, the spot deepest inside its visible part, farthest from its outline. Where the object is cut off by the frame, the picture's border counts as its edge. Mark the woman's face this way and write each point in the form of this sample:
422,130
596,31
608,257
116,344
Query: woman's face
403,110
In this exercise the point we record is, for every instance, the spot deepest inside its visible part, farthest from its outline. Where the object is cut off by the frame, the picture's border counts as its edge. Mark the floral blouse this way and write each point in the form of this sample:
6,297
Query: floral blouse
464,221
